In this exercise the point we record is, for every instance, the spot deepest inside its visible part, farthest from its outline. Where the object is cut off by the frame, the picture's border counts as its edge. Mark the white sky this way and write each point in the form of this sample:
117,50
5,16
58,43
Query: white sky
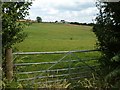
68,10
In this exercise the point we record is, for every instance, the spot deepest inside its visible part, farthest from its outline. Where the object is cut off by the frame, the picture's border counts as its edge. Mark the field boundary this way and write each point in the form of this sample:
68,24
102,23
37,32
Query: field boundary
69,69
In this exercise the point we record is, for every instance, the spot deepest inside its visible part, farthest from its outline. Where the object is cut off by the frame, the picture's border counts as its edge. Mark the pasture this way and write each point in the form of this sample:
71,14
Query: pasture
47,37
57,37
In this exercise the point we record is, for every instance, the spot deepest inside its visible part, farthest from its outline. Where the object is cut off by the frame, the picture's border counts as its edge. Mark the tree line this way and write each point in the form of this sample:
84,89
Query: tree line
77,23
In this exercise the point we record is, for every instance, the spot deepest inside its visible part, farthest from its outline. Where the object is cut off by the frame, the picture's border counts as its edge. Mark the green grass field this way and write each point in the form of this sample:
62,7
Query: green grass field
57,37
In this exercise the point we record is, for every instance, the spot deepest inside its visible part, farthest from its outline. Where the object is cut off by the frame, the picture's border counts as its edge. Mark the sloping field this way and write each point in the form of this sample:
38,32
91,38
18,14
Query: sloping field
57,37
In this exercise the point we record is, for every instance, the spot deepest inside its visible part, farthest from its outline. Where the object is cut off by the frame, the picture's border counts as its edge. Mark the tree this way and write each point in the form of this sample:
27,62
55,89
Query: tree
39,19
107,30
62,21
12,30
56,21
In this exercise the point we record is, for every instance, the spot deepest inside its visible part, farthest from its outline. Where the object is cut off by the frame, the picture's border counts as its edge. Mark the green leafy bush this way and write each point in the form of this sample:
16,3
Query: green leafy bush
107,30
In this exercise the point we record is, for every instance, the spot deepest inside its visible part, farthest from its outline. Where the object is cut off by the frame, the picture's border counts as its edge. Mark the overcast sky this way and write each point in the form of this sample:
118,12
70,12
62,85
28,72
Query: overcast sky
69,10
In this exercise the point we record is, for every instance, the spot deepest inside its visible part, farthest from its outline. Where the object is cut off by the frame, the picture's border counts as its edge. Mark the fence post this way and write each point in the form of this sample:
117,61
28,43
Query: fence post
9,63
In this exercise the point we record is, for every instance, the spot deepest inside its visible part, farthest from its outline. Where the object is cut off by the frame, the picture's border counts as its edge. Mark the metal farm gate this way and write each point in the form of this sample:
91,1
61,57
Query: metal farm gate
55,66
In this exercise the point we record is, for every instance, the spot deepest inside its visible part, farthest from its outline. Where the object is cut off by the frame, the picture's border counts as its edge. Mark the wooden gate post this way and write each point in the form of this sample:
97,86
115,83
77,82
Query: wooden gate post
9,63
